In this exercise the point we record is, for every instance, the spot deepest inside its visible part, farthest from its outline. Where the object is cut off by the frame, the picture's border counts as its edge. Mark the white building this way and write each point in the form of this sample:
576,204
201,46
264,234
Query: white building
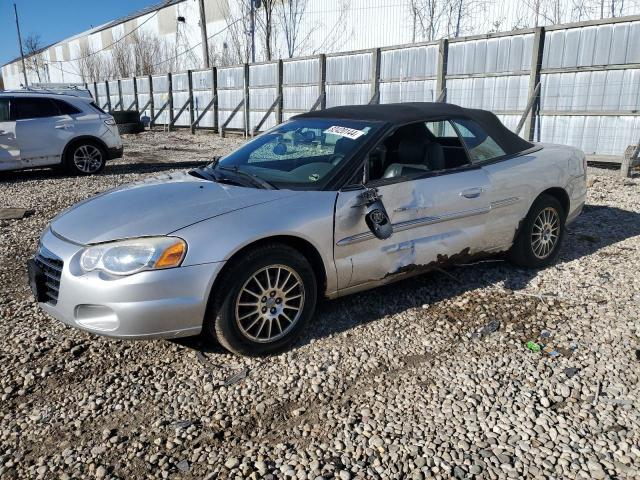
167,37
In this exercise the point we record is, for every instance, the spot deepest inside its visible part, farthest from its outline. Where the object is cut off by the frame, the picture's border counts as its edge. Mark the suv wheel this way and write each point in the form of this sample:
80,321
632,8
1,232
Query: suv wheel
269,296
85,158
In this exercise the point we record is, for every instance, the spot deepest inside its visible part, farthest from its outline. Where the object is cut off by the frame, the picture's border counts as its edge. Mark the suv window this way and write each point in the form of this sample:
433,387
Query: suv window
480,145
27,108
4,110
66,108
93,104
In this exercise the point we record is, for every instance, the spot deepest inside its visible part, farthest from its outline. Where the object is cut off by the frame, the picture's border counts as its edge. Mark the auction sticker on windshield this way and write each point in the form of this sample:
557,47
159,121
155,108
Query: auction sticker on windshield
351,133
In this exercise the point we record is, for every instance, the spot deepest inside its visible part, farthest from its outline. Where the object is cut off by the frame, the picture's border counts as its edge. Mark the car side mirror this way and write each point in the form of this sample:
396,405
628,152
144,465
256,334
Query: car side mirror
375,215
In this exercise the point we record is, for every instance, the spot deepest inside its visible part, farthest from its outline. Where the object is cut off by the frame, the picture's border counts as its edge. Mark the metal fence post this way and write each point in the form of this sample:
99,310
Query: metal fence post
322,81
247,107
279,93
136,102
214,88
170,99
534,79
95,91
375,76
191,112
151,102
441,79
106,84
120,94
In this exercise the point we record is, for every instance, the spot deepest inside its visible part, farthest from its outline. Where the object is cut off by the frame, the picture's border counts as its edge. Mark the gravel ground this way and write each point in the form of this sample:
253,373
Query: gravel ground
425,378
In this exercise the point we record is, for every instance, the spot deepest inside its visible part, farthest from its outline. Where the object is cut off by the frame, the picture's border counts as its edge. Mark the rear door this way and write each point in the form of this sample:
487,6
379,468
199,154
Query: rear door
42,130
9,148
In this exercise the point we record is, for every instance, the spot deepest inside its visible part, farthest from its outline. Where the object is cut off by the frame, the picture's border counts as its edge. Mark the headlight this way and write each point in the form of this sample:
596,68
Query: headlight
110,121
127,257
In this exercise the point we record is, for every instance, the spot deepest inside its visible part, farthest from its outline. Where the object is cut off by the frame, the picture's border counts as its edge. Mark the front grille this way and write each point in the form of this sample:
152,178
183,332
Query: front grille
52,268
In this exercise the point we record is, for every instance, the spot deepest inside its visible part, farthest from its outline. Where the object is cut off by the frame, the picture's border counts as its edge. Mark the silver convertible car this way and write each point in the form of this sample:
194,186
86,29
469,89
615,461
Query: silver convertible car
328,203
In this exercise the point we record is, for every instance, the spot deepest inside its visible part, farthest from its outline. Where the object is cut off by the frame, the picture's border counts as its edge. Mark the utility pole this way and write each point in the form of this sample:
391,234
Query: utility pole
252,18
24,68
203,33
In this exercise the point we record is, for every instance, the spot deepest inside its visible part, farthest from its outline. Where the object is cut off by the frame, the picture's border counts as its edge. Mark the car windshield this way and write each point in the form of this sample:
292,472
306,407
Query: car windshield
299,154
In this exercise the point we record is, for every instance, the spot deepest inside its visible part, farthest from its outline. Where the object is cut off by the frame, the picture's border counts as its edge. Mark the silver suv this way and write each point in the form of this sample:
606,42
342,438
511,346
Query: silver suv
45,129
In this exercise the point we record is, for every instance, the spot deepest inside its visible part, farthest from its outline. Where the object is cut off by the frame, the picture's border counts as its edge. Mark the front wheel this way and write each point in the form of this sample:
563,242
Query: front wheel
85,158
269,296
540,237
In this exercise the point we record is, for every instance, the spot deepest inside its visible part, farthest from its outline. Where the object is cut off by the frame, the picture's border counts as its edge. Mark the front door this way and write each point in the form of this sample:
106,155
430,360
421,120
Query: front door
9,149
42,131
435,220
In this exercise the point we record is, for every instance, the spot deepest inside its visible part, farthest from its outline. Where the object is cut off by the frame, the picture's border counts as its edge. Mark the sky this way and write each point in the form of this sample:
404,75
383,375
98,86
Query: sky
55,20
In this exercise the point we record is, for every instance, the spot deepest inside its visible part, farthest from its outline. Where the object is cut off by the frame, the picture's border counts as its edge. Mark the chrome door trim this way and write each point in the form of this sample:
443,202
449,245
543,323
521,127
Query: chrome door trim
424,221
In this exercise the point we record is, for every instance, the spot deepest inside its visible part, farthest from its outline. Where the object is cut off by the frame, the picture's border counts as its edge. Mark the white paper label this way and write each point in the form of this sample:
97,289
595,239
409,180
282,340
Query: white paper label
351,133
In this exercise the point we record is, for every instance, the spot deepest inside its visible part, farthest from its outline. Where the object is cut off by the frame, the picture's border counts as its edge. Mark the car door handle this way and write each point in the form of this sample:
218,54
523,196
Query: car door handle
472,192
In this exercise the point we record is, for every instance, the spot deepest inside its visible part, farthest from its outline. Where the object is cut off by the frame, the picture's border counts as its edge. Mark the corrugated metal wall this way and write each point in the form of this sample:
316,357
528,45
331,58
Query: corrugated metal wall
230,94
589,98
202,96
591,87
263,91
300,85
408,74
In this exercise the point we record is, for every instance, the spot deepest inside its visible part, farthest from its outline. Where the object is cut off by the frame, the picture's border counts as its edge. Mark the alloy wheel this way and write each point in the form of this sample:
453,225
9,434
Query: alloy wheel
270,303
545,232
87,158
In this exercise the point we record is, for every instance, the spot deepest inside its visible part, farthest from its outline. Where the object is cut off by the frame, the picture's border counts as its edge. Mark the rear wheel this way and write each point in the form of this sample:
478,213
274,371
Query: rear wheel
540,237
268,297
85,158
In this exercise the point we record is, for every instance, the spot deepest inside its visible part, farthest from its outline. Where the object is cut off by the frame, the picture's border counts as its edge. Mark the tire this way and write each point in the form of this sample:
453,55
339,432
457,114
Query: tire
76,162
229,318
136,127
125,116
541,234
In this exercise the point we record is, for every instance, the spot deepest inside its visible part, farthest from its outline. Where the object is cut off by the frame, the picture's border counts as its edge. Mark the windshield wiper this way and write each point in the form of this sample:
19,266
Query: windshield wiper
199,172
254,179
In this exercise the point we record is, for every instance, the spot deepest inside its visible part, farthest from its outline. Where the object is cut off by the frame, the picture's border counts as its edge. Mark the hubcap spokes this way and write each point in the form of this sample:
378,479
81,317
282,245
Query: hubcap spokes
545,232
270,303
87,158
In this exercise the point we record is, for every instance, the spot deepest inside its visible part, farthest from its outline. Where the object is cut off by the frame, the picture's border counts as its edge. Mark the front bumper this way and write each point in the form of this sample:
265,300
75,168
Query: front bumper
155,304
115,152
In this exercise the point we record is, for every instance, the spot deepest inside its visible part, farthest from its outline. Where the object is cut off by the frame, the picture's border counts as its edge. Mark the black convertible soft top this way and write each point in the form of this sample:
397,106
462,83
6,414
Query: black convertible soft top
405,113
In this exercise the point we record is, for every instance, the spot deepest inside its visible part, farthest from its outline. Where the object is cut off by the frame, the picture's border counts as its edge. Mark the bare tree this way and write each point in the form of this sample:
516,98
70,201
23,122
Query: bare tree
122,59
237,46
337,34
290,15
264,19
34,60
90,65
427,16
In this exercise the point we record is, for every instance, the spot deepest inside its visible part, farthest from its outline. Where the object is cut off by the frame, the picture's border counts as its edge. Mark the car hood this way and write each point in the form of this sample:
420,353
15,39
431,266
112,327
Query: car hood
155,206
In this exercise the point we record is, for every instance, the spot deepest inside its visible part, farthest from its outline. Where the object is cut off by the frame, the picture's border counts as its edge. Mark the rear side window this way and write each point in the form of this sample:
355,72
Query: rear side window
4,110
95,106
481,146
27,108
66,108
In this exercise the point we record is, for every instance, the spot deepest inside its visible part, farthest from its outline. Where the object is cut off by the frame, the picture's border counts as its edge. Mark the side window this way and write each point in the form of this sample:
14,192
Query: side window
416,150
4,110
27,108
66,108
480,145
